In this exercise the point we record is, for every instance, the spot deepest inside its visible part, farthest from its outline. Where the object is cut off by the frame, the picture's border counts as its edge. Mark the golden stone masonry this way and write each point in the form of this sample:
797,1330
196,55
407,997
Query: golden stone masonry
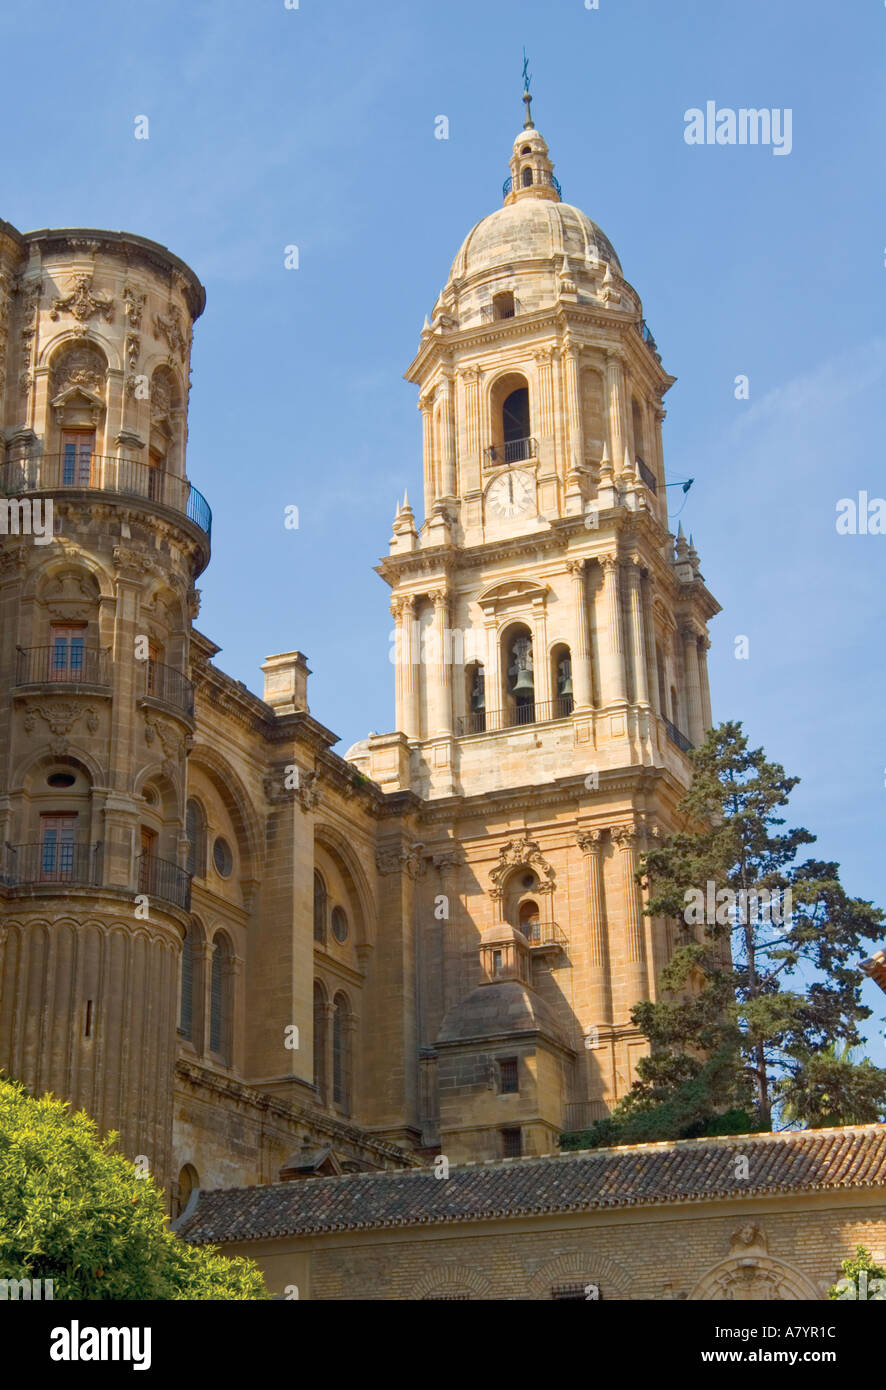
263,962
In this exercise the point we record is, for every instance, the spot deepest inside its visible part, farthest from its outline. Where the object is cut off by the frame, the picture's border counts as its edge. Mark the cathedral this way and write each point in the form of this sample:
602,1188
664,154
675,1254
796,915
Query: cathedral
258,960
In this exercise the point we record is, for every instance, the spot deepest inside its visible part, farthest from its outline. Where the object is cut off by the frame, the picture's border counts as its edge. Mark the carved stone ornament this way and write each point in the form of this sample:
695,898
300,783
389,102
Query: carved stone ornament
171,741
406,861
82,303
521,853
60,715
170,328
133,306
82,365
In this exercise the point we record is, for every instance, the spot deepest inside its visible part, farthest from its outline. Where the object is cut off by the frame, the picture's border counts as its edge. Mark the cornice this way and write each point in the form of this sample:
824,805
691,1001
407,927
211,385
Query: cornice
233,1089
555,319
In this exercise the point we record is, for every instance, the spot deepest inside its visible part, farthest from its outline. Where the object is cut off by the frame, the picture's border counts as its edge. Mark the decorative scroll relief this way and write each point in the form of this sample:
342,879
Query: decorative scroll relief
60,715
521,853
82,303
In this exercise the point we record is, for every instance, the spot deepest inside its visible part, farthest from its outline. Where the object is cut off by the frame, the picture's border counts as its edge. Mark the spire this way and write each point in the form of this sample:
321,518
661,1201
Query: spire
528,123
532,173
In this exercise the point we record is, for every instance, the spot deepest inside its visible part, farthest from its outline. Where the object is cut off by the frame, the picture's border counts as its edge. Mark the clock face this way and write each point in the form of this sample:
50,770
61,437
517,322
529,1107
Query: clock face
512,494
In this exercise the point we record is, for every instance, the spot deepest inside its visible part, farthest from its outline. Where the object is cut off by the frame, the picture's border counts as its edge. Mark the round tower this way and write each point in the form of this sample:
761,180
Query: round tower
102,537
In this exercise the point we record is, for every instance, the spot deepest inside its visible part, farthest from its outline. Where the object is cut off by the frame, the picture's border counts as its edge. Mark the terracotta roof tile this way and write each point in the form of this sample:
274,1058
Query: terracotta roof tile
691,1170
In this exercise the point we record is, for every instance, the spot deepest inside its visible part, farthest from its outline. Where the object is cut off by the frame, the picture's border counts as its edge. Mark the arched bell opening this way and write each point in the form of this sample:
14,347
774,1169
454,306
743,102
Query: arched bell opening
561,680
475,696
518,677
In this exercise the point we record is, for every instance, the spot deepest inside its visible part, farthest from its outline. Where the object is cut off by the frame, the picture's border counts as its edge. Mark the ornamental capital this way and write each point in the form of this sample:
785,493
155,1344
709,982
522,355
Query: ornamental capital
589,841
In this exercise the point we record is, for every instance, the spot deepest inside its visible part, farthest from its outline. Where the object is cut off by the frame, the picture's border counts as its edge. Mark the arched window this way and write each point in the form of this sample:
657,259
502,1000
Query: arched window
561,680
518,675
475,679
637,427
515,419
526,177
503,305
320,1041
662,697
221,998
320,902
341,1054
188,1182
195,830
529,920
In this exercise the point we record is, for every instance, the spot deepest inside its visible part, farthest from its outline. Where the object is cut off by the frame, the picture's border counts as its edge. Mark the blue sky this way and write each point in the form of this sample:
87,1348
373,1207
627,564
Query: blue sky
315,127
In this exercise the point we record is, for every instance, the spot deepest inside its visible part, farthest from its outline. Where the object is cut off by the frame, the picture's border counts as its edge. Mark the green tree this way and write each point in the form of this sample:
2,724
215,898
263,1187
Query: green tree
754,994
73,1211
859,1274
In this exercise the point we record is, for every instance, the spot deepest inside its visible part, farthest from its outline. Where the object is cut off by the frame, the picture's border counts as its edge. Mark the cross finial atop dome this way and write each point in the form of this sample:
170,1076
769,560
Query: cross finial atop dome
528,123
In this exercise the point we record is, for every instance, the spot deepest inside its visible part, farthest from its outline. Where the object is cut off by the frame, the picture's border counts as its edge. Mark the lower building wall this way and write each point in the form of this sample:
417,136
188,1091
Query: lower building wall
784,1248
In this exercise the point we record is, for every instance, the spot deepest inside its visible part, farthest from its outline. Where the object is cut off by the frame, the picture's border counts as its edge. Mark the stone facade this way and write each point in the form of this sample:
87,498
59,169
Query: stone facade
240,949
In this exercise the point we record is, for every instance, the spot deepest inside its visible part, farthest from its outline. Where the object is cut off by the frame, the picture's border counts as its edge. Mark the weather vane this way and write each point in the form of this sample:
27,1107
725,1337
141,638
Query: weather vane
527,97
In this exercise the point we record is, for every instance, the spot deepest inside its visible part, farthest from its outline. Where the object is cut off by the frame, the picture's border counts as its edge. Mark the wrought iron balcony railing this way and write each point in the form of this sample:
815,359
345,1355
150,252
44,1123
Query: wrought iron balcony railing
51,862
676,737
166,684
646,335
532,712
160,878
512,451
63,665
104,473
544,935
646,475
547,179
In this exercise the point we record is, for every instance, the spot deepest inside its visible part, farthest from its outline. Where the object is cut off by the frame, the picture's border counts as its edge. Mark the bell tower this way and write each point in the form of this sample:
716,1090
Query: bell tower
102,538
550,638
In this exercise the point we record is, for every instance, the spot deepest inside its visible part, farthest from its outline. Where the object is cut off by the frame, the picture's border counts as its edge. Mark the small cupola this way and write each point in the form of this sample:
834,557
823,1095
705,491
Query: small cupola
504,955
532,172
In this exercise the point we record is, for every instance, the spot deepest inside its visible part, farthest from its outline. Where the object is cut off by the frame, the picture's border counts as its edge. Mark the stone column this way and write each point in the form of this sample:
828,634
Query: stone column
397,610
615,395
600,993
704,647
689,638
560,442
647,591
573,405
545,422
638,638
541,667
471,462
636,982
411,649
582,689
426,405
442,670
612,675
447,451
494,700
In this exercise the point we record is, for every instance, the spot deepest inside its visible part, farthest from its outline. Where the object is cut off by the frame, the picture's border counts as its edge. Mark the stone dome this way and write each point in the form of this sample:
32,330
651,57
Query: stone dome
494,1009
530,229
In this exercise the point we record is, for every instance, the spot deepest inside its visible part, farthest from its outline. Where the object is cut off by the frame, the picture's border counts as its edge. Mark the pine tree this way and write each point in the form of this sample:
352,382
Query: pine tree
765,979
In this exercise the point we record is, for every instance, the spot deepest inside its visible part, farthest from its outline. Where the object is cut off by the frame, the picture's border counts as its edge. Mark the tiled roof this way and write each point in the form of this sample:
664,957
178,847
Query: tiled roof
691,1170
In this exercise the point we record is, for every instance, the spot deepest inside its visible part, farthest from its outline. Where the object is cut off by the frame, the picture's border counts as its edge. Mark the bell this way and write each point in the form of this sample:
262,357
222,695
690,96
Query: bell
523,684
566,687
